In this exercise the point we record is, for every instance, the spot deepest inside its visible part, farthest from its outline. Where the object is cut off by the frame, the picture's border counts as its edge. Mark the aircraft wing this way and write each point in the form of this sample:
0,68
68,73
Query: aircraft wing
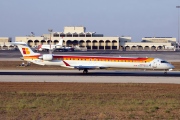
81,67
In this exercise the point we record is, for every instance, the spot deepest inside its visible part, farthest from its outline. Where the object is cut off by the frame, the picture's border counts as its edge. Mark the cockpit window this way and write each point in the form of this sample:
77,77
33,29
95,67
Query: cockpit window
164,62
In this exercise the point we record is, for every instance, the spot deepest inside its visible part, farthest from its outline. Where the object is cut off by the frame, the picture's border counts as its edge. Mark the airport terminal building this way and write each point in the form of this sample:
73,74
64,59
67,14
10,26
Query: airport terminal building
78,37
152,43
5,43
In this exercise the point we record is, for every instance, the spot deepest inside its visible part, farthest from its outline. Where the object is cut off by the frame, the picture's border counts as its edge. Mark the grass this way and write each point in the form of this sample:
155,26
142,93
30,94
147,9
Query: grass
97,101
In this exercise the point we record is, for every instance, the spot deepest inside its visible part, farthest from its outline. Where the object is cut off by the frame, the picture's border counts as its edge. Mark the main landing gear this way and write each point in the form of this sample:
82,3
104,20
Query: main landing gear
85,71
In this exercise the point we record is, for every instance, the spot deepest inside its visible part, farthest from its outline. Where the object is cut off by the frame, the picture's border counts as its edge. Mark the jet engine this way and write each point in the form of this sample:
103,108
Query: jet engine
46,57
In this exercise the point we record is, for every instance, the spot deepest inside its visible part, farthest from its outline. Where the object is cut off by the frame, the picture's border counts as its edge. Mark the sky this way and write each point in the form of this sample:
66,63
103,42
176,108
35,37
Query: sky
134,18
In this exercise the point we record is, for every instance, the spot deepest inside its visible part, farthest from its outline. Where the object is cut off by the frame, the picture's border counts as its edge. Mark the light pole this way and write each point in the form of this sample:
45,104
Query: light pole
178,25
50,30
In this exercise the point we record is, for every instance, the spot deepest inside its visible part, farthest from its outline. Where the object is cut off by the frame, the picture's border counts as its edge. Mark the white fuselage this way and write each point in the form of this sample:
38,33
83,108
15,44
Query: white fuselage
156,63
52,47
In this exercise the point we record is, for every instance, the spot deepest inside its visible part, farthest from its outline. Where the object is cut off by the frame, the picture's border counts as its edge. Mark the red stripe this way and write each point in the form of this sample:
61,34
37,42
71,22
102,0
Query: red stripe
66,63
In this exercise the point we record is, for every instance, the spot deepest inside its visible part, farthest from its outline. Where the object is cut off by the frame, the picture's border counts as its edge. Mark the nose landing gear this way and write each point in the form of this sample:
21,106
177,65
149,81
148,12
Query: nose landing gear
165,72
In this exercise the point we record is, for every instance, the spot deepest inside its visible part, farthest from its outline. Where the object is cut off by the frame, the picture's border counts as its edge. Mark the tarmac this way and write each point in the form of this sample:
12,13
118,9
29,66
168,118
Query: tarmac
94,76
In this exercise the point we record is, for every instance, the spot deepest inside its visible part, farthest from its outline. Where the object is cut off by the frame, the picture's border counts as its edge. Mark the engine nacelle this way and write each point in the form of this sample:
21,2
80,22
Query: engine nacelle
47,57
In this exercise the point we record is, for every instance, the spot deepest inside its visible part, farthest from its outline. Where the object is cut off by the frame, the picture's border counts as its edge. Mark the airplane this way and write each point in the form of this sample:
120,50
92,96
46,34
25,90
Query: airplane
86,63
50,47
57,47
64,49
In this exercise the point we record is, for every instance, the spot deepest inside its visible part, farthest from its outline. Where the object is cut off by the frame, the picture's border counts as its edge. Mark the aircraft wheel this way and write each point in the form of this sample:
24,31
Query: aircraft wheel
85,71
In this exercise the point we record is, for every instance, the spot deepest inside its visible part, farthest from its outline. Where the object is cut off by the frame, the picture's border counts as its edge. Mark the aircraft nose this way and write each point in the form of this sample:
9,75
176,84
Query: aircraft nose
171,66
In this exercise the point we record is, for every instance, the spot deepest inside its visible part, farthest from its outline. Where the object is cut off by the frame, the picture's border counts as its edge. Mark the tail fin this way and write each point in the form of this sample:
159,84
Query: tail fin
60,42
39,47
26,51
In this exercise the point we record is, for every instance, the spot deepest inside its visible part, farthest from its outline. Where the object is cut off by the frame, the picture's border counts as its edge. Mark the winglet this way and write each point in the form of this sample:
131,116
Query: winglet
66,63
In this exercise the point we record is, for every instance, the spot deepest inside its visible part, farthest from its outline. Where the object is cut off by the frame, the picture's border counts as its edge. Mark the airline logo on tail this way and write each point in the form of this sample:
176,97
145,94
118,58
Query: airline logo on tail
26,51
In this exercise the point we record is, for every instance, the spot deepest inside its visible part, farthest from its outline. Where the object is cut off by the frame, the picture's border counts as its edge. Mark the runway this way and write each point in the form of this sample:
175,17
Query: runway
94,76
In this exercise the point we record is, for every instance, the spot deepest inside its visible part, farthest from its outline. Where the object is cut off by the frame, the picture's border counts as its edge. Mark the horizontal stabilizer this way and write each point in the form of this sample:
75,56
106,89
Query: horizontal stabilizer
18,43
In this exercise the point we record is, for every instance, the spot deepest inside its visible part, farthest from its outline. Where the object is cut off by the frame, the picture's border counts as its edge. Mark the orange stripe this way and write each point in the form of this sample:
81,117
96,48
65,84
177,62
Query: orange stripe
31,57
92,58
95,58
